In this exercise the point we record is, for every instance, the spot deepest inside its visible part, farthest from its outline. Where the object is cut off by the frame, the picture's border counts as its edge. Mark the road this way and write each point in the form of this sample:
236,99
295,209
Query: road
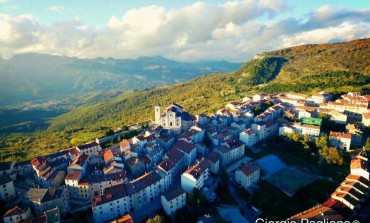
246,210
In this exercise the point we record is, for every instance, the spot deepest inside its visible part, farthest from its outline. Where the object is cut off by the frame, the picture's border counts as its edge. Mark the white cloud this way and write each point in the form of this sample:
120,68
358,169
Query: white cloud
3,1
235,30
56,8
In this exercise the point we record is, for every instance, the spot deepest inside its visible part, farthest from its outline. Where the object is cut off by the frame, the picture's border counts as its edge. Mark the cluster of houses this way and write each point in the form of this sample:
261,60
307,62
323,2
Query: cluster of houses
177,153
351,194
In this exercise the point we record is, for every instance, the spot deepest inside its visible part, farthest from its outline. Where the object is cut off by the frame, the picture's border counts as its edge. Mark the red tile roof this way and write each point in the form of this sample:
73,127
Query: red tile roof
124,143
14,211
198,169
249,168
340,135
184,146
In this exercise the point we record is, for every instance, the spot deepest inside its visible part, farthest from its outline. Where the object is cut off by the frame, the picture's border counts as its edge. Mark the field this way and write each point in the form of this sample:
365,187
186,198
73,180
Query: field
290,180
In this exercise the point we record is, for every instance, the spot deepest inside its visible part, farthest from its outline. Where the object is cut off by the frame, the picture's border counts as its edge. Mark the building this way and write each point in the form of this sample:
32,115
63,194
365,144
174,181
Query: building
17,214
317,213
7,190
189,150
215,162
352,192
249,137
340,140
196,175
357,135
89,149
360,167
124,219
42,199
80,163
121,199
247,175
230,150
173,200
173,118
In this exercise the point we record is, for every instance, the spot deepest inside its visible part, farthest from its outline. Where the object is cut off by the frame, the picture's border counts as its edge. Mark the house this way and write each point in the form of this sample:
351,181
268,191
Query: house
7,168
366,119
7,190
334,115
230,150
23,168
52,215
221,137
168,167
17,214
249,137
43,199
317,214
173,200
312,131
124,145
173,118
124,219
80,163
195,134
214,158
89,149
340,140
166,142
196,175
360,167
352,192
296,96
120,199
136,166
178,158
357,134
247,175
189,150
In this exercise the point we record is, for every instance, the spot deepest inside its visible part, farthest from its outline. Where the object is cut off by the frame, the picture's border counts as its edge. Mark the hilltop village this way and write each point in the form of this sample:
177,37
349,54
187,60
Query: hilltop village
180,156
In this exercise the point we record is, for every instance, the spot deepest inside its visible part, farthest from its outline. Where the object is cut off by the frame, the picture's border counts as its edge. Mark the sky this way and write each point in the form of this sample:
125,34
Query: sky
180,30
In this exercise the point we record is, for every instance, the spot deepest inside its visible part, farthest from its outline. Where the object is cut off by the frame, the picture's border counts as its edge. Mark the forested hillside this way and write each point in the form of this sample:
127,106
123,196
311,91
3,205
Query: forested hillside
306,69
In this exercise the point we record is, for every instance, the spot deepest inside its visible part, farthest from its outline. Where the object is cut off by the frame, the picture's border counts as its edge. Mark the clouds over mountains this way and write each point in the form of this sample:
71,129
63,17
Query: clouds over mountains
233,31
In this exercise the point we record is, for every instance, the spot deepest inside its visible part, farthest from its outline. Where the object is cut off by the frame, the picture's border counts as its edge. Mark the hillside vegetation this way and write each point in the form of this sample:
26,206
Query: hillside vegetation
338,67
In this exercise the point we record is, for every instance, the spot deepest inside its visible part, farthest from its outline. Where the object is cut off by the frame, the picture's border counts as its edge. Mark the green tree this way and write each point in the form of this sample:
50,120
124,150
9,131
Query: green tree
157,219
109,132
322,142
367,145
332,155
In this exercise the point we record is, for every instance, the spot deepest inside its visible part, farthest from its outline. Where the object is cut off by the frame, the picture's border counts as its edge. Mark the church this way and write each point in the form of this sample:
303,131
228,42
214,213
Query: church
173,118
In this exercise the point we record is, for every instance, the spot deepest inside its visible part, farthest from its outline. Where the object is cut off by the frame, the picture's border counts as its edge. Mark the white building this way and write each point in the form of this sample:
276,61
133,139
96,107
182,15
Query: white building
173,200
249,137
89,149
310,130
173,118
230,150
123,198
17,214
196,175
248,175
7,190
360,167
340,140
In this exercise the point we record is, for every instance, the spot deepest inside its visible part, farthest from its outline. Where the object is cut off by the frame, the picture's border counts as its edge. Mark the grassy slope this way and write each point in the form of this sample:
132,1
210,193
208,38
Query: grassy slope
304,60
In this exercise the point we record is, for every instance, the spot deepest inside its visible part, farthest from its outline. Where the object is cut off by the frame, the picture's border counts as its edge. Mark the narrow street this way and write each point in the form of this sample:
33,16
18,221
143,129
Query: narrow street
246,210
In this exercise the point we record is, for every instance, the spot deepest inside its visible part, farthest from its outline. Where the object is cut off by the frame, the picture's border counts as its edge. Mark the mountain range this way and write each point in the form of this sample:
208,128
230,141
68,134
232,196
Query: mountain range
336,67
32,77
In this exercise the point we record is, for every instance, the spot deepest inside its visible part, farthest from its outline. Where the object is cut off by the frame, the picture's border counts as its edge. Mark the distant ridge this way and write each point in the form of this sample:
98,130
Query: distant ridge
335,66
